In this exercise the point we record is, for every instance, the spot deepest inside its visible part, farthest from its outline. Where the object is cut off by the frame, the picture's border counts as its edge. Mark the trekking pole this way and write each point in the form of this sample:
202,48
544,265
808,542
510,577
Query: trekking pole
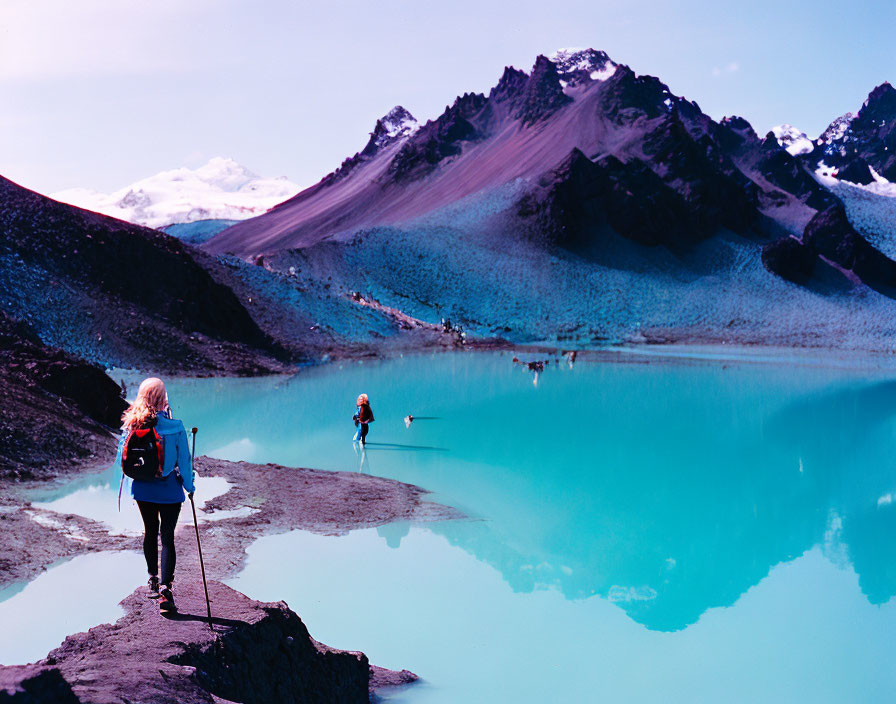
208,604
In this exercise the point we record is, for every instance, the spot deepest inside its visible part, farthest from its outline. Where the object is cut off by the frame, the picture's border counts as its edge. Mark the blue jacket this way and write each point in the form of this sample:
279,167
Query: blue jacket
167,489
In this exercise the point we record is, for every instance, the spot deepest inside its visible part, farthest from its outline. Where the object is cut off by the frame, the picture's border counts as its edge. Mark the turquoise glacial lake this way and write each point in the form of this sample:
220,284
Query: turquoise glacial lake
641,529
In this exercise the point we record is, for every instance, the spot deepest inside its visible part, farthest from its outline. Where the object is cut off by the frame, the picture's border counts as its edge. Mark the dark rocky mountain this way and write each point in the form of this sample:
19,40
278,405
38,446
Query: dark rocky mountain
120,294
631,127
527,127
589,162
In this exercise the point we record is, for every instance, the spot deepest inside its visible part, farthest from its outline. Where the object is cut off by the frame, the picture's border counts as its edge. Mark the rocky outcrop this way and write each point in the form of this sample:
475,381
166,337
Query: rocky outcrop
628,96
716,192
790,174
509,86
629,197
395,126
34,684
855,170
830,236
542,95
439,138
682,192
58,409
853,144
252,652
790,259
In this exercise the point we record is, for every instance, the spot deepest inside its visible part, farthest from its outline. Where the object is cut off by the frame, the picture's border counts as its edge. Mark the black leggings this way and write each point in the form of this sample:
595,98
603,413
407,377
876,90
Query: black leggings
151,514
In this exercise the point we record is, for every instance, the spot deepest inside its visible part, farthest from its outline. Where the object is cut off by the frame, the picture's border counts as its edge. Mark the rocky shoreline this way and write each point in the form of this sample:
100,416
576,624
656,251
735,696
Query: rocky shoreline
251,652
194,663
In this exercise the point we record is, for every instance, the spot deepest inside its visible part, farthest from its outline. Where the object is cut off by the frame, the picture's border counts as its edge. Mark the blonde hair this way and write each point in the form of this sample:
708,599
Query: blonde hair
362,399
151,398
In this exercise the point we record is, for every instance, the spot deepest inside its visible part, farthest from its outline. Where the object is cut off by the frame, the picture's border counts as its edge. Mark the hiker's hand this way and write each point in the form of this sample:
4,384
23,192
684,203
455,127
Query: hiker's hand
190,495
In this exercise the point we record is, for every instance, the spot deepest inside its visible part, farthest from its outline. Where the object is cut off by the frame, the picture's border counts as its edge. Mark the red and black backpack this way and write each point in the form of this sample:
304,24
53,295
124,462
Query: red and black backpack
143,456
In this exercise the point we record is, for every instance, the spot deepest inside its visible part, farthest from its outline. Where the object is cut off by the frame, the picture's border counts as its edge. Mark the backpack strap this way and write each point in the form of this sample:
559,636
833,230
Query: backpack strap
160,449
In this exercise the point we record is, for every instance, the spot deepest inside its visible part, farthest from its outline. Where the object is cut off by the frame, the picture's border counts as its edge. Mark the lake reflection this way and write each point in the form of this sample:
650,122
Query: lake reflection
669,487
665,488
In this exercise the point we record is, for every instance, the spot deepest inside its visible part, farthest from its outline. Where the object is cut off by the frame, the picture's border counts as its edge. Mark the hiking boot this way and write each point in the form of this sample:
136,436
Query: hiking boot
166,599
153,587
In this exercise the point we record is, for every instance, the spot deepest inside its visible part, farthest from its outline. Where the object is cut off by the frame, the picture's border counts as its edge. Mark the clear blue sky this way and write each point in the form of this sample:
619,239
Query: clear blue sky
99,93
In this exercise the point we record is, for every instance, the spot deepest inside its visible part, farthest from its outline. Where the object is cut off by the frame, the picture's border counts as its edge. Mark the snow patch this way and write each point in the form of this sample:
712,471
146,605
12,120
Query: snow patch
794,140
574,64
603,74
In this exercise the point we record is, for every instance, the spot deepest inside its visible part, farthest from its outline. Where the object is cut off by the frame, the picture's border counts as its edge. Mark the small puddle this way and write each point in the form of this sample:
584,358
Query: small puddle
99,502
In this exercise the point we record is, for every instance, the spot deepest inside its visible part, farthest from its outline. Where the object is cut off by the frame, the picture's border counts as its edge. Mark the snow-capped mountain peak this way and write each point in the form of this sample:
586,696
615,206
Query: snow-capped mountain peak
577,65
226,174
395,124
794,140
221,189
836,130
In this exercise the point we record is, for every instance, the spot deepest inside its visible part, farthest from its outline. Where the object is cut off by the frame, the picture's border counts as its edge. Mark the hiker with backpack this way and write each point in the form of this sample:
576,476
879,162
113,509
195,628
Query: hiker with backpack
363,417
154,455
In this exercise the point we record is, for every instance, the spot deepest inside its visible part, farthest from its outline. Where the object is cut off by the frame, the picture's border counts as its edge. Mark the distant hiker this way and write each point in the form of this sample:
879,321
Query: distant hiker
408,419
363,417
536,365
153,453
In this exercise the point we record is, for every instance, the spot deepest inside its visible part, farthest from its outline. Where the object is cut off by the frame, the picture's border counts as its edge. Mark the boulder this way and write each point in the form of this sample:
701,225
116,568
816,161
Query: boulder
251,652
